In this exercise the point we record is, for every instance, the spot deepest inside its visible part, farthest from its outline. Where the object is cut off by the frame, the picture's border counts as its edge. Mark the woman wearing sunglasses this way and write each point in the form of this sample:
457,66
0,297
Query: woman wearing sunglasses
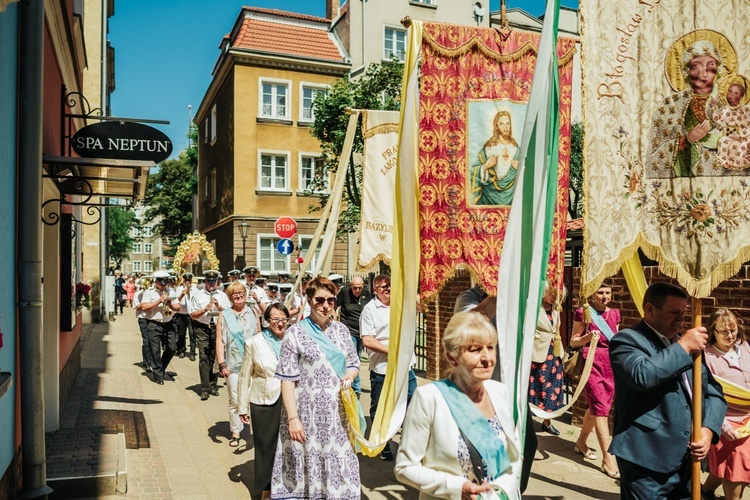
261,391
238,324
314,458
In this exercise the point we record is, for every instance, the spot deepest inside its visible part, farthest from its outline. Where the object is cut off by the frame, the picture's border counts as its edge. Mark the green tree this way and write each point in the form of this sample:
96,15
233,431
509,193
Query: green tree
575,207
378,88
121,221
169,195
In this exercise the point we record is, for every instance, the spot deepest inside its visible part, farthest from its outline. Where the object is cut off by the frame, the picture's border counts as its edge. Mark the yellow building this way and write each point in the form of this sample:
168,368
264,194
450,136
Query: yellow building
256,155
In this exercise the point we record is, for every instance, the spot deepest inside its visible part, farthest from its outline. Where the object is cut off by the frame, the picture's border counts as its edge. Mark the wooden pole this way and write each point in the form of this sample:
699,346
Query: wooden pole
697,308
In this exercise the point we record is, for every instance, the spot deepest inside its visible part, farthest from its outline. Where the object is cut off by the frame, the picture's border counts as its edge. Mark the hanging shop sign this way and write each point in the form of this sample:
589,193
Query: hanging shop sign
122,140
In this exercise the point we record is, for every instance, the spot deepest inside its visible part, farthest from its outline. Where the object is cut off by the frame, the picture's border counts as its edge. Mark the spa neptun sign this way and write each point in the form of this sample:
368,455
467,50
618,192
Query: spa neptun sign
122,140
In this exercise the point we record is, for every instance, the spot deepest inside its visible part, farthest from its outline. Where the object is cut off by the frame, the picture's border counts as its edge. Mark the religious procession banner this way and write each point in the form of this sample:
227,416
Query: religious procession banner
474,91
667,138
380,132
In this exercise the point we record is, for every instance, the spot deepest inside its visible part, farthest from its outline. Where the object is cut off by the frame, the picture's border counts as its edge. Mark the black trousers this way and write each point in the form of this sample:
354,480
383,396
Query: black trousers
184,325
205,338
161,334
145,345
119,301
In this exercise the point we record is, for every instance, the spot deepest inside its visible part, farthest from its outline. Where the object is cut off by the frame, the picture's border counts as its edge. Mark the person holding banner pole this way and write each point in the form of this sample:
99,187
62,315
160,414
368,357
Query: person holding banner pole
600,387
653,367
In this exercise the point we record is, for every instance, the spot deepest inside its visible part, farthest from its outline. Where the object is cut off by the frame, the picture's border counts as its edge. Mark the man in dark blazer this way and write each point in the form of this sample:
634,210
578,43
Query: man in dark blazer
652,365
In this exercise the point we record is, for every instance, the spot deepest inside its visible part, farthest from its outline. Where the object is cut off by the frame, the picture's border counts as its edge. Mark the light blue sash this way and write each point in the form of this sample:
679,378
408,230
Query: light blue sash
330,350
601,324
273,341
476,428
235,330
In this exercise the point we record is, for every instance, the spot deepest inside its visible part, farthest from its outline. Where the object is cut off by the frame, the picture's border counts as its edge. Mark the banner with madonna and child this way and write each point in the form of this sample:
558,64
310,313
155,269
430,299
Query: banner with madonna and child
667,146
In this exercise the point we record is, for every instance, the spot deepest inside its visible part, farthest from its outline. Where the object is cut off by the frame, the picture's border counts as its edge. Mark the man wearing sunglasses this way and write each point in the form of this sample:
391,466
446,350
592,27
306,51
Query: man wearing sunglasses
374,328
204,307
159,305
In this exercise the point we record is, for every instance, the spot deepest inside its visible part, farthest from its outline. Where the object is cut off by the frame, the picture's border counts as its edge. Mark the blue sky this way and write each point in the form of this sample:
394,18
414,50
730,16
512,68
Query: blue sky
165,51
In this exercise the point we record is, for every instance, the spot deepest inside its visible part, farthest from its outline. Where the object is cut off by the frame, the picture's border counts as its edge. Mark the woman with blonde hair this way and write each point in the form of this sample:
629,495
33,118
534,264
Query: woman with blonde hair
237,325
728,357
476,451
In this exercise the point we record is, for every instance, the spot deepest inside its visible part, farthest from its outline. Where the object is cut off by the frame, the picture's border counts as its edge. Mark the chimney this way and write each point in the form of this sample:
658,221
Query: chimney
332,8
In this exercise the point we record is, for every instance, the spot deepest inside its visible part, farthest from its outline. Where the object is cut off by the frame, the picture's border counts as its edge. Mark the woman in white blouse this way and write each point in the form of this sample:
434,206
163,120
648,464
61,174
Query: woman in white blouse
446,457
261,390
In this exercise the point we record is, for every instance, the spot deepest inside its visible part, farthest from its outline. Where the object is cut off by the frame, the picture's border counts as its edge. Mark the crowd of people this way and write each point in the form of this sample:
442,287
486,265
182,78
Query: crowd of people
285,360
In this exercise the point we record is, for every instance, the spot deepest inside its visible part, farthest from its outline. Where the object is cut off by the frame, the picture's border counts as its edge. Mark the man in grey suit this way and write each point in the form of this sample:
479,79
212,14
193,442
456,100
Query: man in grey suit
652,365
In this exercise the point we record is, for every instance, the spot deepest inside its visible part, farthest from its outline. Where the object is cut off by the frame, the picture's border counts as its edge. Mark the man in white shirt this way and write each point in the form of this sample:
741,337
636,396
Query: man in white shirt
184,323
159,305
204,309
374,328
140,315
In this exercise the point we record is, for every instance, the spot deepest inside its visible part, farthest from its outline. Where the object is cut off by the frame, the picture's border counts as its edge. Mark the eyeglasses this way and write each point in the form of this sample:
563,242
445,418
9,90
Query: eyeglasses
279,320
356,288
238,295
384,287
726,333
322,300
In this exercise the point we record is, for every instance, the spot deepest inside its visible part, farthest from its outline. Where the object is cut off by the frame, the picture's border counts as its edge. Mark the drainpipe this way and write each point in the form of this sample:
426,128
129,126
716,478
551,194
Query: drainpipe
29,271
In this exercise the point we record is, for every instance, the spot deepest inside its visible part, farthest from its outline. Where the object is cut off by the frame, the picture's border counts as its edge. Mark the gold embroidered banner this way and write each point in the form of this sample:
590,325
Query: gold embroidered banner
380,132
474,89
667,146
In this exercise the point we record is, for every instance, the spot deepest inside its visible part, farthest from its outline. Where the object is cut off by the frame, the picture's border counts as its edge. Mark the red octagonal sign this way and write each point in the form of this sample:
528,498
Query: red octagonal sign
285,227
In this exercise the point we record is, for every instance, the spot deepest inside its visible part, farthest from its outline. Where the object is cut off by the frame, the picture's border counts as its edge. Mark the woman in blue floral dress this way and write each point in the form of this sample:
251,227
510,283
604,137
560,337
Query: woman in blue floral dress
314,458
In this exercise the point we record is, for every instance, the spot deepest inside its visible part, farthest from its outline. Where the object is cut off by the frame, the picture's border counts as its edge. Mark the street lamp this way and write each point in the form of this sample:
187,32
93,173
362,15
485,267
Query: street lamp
244,226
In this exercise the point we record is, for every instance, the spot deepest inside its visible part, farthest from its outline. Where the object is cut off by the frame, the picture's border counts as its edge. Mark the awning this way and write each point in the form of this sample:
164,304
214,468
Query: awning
99,177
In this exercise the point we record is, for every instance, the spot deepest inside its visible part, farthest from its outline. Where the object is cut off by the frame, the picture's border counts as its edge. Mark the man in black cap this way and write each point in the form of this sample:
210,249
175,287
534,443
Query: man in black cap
233,275
204,308
159,306
250,273
283,277
185,294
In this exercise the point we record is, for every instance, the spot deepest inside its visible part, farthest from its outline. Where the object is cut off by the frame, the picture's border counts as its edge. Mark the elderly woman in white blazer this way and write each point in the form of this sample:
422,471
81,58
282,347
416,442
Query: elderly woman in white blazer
261,391
434,456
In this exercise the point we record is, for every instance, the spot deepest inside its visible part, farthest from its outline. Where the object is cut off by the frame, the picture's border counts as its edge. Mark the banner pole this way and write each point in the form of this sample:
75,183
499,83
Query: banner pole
697,308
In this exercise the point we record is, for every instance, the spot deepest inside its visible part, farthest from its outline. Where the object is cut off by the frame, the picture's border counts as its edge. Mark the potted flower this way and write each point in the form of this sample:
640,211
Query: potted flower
83,298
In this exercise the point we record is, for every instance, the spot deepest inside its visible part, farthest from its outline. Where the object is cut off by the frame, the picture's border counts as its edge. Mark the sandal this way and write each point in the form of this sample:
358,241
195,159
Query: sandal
588,454
234,442
613,474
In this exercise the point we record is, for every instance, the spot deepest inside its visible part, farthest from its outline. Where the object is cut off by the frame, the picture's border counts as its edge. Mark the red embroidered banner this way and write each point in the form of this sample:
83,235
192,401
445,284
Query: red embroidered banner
474,89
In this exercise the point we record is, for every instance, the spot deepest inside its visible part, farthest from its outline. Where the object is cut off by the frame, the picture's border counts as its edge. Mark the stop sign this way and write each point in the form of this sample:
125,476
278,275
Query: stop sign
285,227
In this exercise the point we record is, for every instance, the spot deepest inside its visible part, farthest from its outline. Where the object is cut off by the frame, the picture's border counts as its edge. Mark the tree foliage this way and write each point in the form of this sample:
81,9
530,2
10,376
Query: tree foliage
121,220
378,88
575,207
169,195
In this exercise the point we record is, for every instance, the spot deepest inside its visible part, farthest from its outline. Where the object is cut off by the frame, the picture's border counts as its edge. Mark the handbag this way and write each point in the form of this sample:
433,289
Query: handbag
573,362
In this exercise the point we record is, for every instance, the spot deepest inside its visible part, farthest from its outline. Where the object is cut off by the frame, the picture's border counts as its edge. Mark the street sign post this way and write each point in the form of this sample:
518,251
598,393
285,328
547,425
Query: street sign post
285,246
285,227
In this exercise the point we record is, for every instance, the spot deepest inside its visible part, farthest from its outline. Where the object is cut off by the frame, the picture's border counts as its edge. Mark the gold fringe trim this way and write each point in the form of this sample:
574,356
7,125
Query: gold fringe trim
385,128
476,42
381,257
698,288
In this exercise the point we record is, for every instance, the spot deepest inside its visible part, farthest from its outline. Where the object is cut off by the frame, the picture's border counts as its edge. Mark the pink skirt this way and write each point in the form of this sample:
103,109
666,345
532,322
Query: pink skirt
730,460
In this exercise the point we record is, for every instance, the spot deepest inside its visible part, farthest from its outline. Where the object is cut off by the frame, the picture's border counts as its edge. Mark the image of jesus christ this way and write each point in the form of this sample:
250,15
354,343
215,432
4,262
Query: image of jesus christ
493,176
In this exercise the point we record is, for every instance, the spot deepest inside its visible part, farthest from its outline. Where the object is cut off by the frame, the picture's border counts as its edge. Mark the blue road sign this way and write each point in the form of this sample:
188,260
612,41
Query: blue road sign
285,246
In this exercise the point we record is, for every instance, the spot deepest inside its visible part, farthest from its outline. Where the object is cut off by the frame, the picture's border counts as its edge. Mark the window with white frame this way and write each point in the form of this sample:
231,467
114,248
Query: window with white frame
213,123
136,248
426,2
273,170
309,93
148,266
213,186
304,243
270,258
394,43
136,232
274,99
148,231
310,167
137,266
148,248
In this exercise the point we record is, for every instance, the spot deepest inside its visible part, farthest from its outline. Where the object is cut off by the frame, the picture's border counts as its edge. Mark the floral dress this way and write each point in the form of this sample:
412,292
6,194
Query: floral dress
325,465
546,381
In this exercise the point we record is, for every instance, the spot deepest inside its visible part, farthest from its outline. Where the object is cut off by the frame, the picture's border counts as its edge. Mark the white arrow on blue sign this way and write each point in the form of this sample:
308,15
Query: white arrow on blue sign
285,246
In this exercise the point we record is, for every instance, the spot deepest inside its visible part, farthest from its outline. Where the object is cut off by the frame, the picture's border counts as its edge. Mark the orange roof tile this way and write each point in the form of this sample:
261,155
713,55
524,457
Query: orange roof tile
574,225
287,38
283,13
